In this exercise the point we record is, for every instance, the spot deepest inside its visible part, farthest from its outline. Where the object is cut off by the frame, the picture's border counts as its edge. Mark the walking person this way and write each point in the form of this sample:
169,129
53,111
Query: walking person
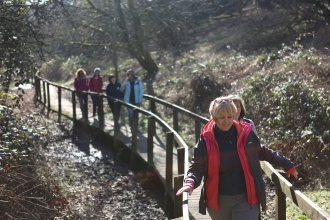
113,90
227,155
241,111
133,92
81,84
95,85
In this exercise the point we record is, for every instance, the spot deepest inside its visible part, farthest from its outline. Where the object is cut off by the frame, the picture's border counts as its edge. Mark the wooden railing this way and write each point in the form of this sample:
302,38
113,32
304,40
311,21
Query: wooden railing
283,187
180,203
42,87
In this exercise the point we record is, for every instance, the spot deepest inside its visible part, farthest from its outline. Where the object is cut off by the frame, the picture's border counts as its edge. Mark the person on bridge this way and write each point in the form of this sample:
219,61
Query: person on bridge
241,111
227,155
95,85
133,92
113,90
81,84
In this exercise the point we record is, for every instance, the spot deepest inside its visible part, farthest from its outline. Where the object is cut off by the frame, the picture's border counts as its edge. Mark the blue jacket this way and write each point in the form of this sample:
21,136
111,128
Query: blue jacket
138,90
113,90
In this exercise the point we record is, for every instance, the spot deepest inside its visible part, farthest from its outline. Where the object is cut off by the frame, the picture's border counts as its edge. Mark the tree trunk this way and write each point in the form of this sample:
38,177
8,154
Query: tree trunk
139,49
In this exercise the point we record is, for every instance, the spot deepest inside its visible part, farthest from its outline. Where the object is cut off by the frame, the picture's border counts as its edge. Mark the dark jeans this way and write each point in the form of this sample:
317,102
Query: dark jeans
112,107
95,100
130,113
81,105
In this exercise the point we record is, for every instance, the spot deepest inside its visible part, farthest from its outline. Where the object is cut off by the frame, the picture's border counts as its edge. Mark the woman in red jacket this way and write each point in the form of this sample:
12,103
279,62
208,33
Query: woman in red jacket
95,85
227,155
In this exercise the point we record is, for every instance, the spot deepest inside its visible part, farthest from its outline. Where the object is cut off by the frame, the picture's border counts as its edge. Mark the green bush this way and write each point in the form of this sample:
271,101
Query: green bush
293,117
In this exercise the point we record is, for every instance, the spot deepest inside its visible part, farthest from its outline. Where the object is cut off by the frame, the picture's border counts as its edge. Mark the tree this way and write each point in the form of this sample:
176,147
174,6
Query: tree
110,27
102,27
22,37
114,24
136,43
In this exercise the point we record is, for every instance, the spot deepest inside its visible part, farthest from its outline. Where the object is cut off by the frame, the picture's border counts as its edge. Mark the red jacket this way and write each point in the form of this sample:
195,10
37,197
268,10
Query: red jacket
206,163
96,84
212,182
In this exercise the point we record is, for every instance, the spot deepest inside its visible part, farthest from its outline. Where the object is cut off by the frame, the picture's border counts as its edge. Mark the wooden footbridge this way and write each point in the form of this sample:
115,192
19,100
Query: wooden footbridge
160,146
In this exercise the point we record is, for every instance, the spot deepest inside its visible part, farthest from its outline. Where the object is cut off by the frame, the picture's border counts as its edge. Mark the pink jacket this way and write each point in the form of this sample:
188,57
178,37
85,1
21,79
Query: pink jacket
80,84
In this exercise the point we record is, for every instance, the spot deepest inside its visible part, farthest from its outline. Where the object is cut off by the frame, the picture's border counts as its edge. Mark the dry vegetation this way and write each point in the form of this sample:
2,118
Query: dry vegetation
51,170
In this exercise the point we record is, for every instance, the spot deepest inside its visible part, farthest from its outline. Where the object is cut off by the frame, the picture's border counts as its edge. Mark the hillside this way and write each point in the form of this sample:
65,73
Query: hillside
284,79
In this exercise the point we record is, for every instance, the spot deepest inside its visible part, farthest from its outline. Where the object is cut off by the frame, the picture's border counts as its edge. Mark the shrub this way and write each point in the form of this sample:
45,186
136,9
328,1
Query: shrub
293,117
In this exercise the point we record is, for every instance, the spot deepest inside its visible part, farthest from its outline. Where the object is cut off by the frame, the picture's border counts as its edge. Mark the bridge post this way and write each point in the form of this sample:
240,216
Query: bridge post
48,97
44,89
116,115
37,86
86,107
151,133
180,152
178,183
101,117
116,125
280,203
152,106
134,137
59,103
74,113
169,171
39,90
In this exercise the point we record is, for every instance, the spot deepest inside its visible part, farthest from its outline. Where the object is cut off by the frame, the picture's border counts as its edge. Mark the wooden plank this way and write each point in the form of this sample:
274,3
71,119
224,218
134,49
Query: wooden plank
178,183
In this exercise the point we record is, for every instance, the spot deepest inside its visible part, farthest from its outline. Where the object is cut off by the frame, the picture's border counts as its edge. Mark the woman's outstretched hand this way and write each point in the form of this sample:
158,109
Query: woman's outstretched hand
294,174
185,189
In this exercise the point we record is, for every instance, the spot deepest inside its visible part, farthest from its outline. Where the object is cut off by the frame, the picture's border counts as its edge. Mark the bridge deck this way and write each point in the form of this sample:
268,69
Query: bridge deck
125,137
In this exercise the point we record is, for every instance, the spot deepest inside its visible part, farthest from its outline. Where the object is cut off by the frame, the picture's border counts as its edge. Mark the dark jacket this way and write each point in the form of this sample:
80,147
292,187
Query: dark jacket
253,153
113,90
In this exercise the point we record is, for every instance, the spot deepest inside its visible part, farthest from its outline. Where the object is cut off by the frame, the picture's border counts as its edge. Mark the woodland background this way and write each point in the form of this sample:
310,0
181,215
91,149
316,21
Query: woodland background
273,53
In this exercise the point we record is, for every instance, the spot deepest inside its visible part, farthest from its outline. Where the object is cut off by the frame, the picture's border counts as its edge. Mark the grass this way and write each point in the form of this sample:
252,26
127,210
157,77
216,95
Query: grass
320,197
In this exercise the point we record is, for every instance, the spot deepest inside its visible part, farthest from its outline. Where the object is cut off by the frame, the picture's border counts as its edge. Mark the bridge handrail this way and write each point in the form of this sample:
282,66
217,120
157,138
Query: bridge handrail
285,188
177,108
182,146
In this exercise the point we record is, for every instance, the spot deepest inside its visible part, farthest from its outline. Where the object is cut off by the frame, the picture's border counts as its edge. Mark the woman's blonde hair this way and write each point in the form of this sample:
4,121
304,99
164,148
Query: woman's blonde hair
80,70
222,105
